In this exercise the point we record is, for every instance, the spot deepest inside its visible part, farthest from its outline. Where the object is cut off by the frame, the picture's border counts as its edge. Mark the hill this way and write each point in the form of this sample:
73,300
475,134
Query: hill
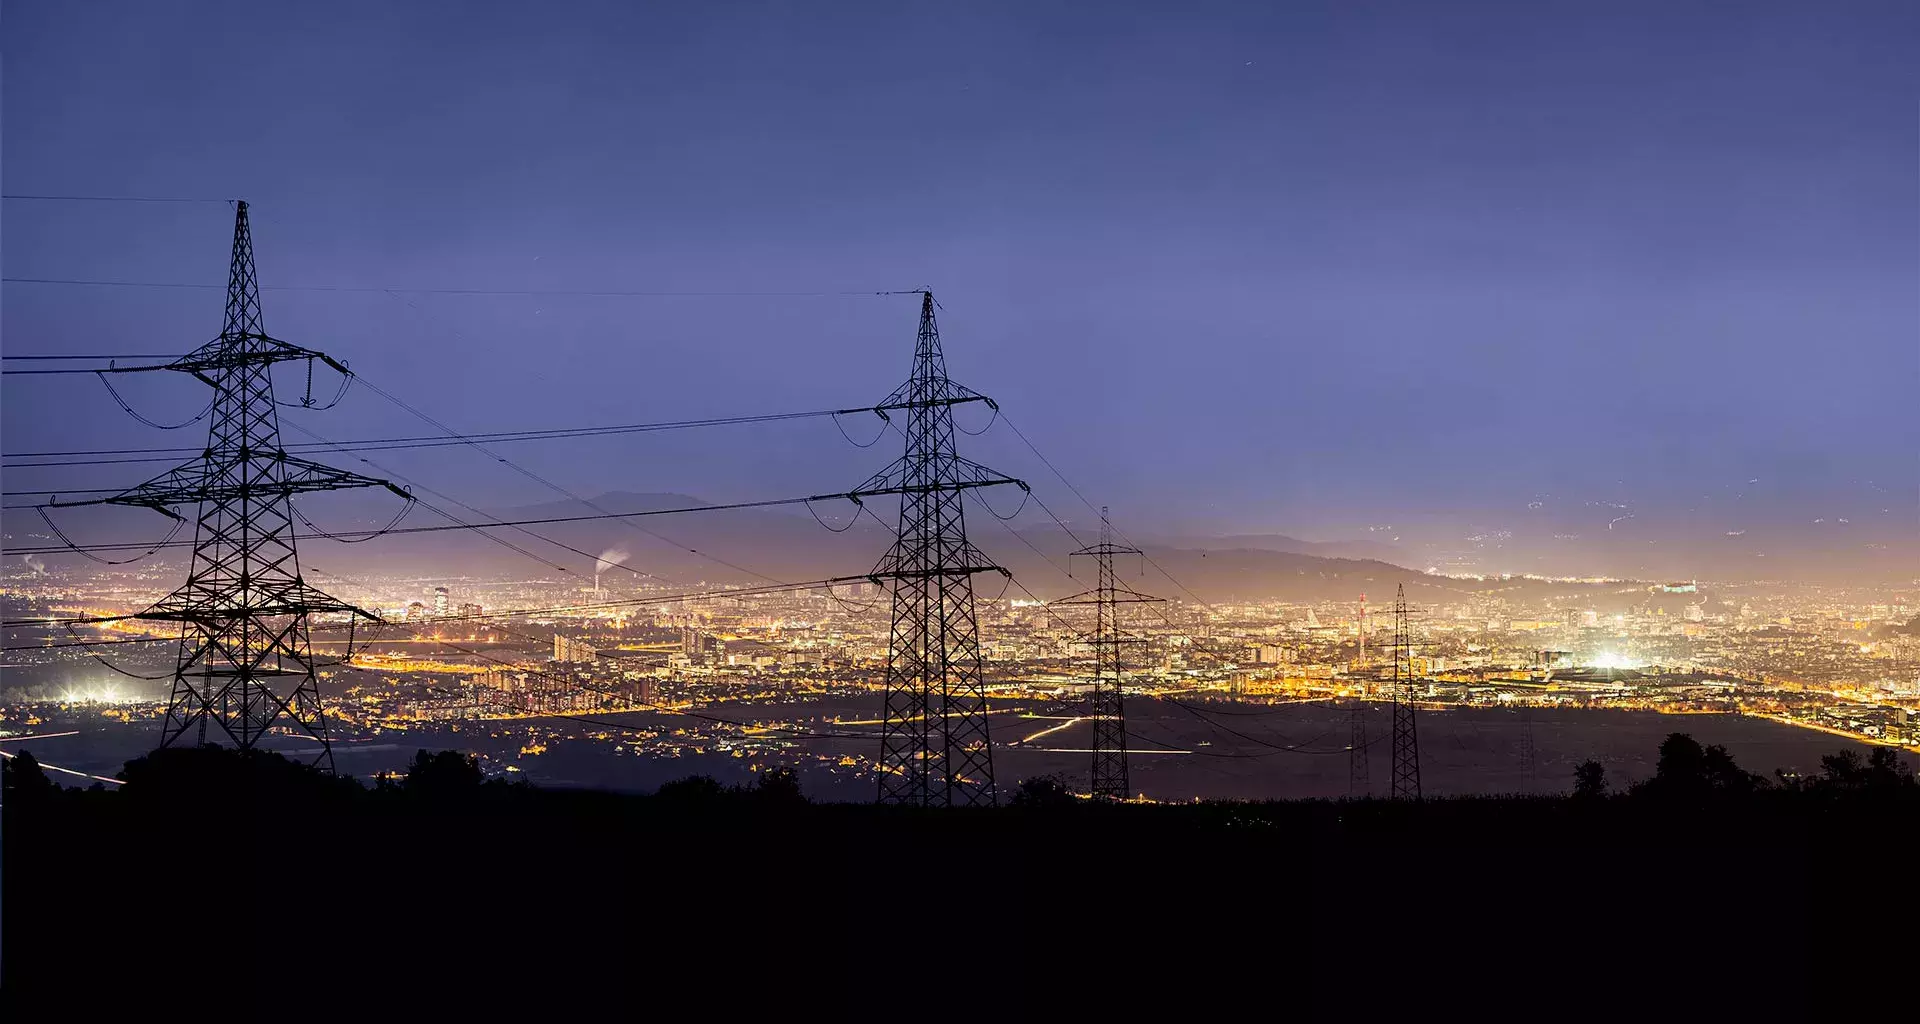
451,886
788,543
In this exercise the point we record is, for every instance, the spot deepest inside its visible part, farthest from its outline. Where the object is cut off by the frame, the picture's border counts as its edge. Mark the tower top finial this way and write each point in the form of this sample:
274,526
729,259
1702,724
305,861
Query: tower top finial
243,287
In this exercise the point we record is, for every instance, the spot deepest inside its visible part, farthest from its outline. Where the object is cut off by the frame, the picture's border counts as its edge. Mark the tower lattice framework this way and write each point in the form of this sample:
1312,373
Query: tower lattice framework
245,662
1106,705
1527,769
1406,738
934,747
1359,771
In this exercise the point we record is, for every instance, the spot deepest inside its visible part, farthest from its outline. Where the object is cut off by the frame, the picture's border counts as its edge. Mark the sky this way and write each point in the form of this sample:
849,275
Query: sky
1340,271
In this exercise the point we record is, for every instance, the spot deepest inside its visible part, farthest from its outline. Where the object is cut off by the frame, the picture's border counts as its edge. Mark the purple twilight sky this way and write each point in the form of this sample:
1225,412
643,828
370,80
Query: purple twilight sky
1468,269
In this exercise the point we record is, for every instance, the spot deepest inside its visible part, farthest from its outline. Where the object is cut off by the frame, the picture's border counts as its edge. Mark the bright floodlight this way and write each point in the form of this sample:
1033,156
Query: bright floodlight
1609,659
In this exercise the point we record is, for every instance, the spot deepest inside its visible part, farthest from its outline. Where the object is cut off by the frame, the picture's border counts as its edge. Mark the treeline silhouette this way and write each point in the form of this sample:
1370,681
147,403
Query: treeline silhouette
235,856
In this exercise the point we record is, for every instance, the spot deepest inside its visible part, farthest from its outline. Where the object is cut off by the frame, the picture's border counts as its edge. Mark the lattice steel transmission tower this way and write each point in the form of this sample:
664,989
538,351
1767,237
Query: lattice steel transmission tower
1406,740
245,661
1526,748
934,747
1359,772
1107,777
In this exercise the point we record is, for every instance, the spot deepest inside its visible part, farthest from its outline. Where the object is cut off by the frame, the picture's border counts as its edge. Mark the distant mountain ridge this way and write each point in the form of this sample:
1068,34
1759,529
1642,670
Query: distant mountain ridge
788,544
678,547
1362,549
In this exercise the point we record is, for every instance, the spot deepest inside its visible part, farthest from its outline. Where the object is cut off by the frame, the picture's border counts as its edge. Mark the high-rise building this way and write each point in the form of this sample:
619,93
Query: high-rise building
699,646
440,602
567,649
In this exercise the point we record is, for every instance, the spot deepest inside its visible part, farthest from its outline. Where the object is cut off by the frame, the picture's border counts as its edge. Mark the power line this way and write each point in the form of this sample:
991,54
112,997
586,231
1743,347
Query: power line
543,481
509,545
84,369
1090,505
456,525
86,643
539,292
442,440
117,199
123,355
437,510
68,771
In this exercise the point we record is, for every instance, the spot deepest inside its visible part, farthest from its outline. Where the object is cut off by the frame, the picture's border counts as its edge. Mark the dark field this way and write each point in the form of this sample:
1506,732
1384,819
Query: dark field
1182,751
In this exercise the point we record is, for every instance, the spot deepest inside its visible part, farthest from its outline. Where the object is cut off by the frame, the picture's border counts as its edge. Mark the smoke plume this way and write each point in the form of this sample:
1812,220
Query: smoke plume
610,558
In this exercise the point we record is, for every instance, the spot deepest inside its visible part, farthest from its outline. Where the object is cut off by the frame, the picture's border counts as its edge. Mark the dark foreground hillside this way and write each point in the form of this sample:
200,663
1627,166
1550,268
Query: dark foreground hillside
1701,886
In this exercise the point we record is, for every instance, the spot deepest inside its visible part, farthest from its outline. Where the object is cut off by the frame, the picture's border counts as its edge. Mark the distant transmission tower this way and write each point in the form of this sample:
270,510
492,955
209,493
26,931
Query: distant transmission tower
1363,631
1526,747
1406,742
934,748
1359,779
245,661
1105,705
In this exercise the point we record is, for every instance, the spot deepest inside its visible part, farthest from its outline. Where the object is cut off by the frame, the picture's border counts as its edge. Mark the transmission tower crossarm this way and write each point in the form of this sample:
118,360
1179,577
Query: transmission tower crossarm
904,477
898,401
889,569
188,484
188,604
246,349
1121,596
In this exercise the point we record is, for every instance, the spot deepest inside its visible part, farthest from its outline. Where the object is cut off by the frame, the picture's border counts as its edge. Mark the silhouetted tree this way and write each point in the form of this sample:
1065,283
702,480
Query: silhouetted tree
780,786
22,779
198,773
1590,780
1843,771
693,788
445,773
1725,777
1043,791
1885,770
1683,764
1880,772
1688,771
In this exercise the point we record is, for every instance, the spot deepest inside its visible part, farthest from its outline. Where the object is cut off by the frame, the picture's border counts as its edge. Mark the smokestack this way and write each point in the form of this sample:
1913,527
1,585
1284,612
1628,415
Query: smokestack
607,560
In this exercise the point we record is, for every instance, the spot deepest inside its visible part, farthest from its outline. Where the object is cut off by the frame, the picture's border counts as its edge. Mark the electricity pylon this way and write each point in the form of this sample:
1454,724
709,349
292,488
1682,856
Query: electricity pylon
1406,741
1107,776
245,661
934,748
1359,780
1526,748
